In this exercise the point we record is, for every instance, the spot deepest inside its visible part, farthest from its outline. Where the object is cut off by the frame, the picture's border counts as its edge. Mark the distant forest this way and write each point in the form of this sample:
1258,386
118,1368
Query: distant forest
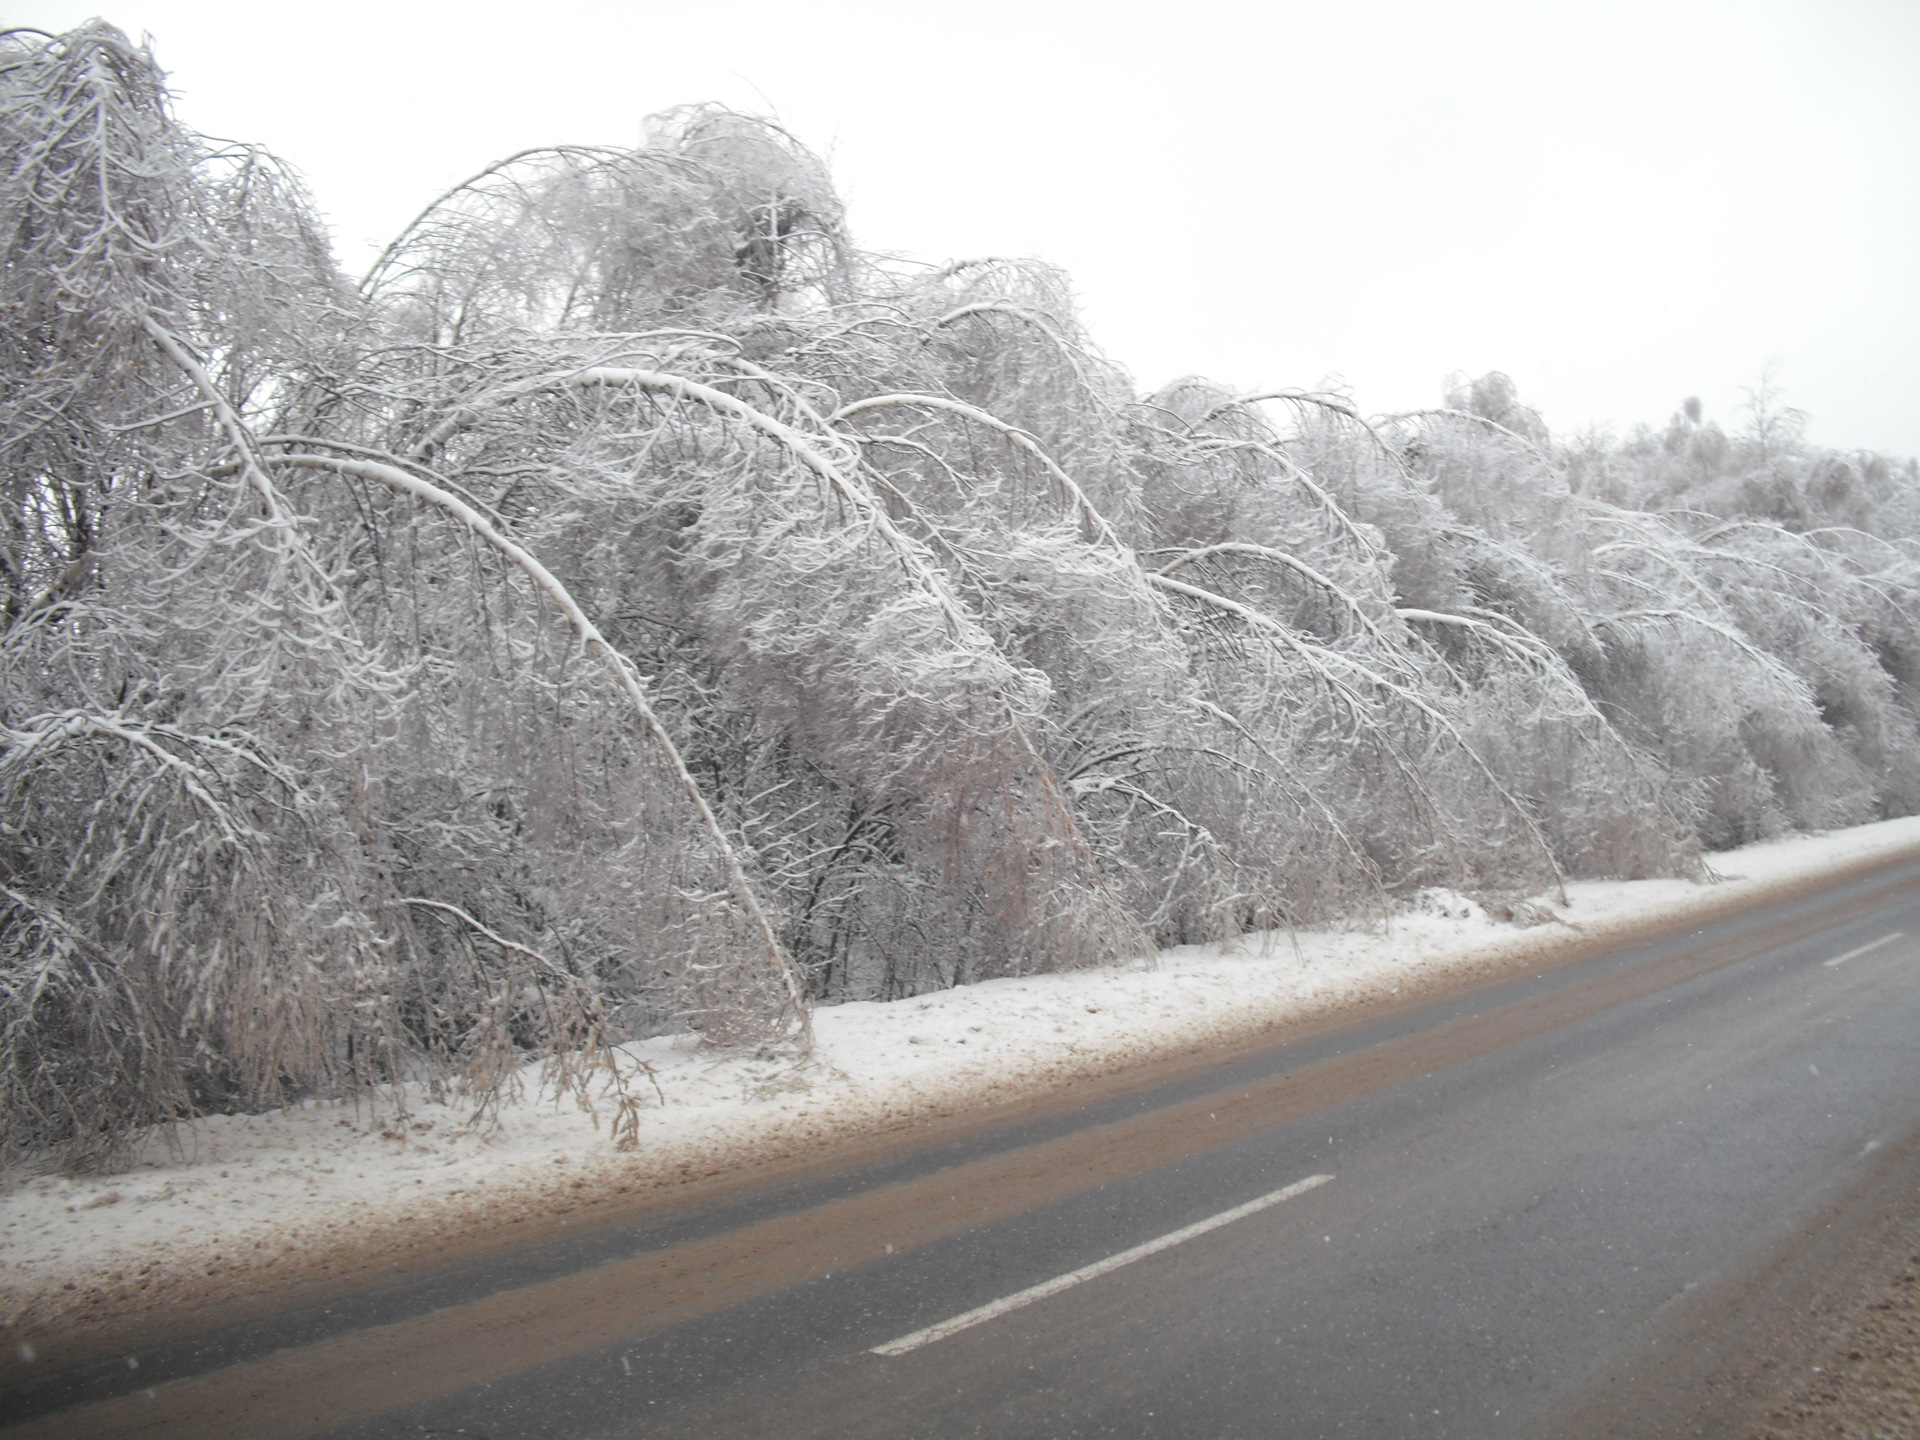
631,607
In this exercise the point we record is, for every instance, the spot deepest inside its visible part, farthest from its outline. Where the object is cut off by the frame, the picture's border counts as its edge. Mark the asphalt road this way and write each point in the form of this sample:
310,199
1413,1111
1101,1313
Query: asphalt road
1571,1204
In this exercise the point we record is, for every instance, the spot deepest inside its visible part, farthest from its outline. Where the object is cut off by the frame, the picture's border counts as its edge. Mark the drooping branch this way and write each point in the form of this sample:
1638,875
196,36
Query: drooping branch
1075,495
624,673
1291,562
1323,662
1789,682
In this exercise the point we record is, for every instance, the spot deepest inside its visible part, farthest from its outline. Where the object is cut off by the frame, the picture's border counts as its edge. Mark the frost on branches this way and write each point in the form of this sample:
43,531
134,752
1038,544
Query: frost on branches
630,607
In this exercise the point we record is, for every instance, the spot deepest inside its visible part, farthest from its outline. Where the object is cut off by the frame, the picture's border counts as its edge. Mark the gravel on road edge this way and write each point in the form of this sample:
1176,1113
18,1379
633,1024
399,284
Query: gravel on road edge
1864,1379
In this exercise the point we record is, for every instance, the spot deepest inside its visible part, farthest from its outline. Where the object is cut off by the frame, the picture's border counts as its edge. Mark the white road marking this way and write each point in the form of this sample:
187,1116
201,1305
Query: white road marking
1088,1272
1859,950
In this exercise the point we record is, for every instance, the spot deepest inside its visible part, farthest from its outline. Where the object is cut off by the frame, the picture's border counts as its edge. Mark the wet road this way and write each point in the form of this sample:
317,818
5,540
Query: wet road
1499,1215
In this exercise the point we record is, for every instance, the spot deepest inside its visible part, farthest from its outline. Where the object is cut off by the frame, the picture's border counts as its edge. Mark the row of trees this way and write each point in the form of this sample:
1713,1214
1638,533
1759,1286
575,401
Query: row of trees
631,606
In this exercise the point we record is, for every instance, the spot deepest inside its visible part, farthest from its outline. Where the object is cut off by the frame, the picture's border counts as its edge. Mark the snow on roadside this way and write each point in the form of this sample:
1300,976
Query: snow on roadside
228,1203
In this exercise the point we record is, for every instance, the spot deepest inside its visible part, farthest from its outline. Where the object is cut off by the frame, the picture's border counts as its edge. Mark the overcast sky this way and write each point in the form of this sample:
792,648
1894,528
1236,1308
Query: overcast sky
1619,205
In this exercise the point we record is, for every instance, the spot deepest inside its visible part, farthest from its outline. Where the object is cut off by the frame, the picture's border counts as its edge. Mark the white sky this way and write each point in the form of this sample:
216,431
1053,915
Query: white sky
1618,204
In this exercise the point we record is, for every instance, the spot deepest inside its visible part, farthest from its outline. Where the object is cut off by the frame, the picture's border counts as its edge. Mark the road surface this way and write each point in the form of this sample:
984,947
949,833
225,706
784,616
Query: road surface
1584,1202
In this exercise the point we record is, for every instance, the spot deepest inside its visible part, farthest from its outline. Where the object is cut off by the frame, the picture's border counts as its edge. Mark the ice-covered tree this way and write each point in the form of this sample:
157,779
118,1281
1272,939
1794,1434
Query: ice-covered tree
631,606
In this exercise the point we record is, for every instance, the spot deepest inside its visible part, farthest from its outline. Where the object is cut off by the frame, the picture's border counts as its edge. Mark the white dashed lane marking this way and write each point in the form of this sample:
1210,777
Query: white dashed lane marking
1088,1272
1860,950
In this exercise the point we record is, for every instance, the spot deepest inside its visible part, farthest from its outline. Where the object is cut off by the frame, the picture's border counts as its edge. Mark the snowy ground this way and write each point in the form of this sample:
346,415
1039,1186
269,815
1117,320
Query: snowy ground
227,1205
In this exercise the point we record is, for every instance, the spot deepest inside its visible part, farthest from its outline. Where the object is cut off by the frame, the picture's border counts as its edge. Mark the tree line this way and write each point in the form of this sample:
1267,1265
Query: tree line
630,607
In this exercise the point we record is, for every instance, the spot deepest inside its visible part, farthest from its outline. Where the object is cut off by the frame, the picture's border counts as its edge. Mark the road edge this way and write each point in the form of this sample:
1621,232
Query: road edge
86,1315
